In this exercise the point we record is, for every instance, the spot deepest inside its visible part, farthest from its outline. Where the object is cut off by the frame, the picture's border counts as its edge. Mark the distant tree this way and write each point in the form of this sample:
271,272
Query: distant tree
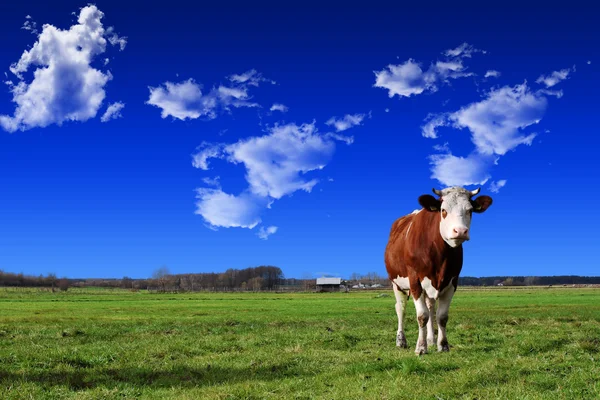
63,284
256,283
127,282
161,276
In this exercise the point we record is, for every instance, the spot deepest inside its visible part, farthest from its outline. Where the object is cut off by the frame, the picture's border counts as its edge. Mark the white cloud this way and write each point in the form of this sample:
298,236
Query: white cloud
212,181
265,233
207,151
65,87
221,209
279,107
251,77
347,122
180,100
554,78
496,186
410,79
492,74
342,138
387,110
464,50
556,93
114,39
451,170
589,62
277,164
405,79
496,123
429,130
185,100
30,25
113,111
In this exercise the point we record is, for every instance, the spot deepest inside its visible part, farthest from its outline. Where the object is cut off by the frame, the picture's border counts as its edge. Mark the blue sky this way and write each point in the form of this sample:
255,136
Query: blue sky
207,137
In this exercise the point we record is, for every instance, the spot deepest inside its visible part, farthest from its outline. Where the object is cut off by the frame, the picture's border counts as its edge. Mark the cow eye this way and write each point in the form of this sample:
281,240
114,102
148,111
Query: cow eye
444,213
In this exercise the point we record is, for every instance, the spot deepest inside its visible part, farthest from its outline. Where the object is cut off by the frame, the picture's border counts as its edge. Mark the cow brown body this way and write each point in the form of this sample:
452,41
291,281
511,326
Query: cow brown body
417,251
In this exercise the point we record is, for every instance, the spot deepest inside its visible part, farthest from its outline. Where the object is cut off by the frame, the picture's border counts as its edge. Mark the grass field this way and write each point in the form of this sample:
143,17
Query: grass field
515,344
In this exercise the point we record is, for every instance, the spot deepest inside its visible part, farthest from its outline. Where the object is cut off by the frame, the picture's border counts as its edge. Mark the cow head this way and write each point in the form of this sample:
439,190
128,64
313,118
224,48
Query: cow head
456,207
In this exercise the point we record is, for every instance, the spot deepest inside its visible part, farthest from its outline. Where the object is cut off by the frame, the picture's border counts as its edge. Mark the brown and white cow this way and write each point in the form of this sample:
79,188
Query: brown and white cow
424,256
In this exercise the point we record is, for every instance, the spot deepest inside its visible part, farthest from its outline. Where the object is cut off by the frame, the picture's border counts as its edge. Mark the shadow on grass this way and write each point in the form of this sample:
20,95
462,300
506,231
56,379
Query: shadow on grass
147,377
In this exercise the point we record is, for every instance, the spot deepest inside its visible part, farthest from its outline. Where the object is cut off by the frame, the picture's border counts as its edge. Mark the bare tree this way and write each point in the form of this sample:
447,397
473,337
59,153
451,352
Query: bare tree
161,275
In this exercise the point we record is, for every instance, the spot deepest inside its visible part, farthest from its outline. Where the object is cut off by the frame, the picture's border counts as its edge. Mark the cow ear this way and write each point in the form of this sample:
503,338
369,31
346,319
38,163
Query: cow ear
430,203
481,203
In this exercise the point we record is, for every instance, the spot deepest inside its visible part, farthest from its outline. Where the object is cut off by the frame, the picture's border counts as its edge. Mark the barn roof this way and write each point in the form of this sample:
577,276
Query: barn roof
329,281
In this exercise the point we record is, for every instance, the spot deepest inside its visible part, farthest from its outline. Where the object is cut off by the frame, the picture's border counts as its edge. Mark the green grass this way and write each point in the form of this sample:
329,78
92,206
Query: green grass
94,344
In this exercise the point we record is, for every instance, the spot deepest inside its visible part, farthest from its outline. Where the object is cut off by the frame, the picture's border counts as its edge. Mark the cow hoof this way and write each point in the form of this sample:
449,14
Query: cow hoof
444,347
421,349
401,342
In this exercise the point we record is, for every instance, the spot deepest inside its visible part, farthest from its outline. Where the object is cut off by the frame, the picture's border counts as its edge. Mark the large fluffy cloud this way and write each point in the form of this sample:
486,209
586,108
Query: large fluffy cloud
277,164
185,99
497,124
65,87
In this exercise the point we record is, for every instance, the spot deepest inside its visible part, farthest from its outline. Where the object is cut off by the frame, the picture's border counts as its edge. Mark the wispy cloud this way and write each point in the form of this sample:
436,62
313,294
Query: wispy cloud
496,186
113,111
492,74
433,121
264,233
65,87
409,78
30,25
251,77
346,122
279,107
464,50
185,100
114,39
554,78
216,181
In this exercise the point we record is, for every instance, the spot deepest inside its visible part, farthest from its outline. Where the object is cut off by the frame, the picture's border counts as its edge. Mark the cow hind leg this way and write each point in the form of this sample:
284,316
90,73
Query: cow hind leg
423,319
442,318
431,323
401,299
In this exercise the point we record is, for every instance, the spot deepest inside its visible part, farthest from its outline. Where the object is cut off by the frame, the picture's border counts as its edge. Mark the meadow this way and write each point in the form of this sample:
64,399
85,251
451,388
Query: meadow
532,343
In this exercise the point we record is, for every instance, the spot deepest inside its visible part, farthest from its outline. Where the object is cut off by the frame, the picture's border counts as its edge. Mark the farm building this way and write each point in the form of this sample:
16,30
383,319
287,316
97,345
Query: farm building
329,284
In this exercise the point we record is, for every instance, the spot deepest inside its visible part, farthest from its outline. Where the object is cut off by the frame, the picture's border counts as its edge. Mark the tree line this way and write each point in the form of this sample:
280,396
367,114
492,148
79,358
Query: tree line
265,277
529,280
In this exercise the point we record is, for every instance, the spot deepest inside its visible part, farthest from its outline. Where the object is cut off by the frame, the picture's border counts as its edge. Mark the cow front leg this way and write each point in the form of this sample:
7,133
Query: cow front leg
442,318
401,299
423,319
431,323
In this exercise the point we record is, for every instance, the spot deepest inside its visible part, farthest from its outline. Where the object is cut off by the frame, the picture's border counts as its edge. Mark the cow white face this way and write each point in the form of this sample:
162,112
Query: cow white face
456,208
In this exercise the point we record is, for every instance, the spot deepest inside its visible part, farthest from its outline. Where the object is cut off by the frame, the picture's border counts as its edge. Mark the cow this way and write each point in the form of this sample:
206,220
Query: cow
424,257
